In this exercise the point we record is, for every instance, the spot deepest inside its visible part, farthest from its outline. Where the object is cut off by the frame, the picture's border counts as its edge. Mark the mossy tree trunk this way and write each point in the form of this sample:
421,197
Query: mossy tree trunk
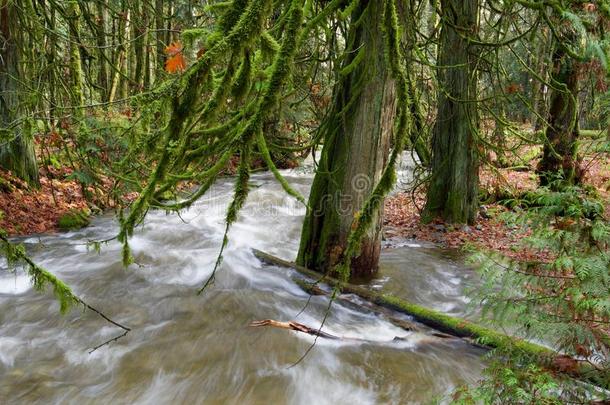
454,182
16,145
357,136
100,39
138,35
559,160
160,35
76,69
419,139
538,88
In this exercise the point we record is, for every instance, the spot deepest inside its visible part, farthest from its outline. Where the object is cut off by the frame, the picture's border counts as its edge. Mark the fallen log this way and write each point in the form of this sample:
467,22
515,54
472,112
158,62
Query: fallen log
299,327
410,326
459,327
295,326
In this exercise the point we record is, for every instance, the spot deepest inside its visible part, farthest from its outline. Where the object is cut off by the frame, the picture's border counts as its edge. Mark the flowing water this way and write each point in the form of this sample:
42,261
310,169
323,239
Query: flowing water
185,348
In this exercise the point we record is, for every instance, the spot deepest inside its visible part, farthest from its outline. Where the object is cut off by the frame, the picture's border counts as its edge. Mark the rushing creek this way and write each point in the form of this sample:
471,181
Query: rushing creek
185,348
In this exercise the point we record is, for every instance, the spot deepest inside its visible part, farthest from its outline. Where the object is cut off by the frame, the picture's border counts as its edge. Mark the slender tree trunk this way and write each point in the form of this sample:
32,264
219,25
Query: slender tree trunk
559,160
170,13
539,100
146,46
138,37
122,33
160,59
499,134
418,135
356,146
76,71
51,57
16,145
453,187
102,55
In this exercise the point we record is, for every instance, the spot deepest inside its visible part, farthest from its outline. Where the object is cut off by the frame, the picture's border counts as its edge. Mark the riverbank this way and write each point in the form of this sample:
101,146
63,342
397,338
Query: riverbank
26,210
403,210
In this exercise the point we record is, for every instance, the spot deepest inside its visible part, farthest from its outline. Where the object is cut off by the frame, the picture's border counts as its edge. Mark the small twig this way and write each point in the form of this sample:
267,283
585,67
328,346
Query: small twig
114,339
315,340
125,328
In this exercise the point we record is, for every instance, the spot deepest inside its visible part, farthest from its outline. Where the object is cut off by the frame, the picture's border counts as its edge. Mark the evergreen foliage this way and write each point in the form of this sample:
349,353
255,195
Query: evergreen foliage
563,301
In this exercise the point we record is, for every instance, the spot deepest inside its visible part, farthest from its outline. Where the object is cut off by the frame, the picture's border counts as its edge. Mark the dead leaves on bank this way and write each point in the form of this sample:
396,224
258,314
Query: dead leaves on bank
402,213
26,210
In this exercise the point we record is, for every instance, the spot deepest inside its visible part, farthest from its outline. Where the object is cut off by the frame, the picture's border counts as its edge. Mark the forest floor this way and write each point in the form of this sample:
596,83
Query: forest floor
26,210
402,211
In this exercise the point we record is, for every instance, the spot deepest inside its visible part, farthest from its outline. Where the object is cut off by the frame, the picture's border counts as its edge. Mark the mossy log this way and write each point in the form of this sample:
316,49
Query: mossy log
387,313
459,327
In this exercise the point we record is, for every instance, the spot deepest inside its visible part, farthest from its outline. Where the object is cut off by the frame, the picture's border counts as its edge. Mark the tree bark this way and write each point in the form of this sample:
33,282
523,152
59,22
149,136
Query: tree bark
539,89
356,146
453,187
16,145
159,35
559,159
138,36
76,70
100,38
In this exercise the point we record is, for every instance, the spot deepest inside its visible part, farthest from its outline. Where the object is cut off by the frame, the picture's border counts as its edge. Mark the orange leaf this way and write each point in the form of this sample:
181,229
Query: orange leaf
175,62
173,49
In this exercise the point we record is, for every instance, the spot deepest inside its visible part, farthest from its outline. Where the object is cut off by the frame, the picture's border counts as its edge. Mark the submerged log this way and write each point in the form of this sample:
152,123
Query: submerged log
388,314
458,327
295,326
299,327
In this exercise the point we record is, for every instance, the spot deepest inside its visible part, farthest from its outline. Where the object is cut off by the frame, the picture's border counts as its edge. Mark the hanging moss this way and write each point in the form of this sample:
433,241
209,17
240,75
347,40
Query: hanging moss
242,82
262,146
354,63
41,279
249,23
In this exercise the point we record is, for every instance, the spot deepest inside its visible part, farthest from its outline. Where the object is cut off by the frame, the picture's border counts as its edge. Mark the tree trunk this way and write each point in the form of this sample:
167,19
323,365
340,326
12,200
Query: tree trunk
453,187
559,160
16,146
418,135
101,45
539,89
76,71
159,27
356,146
138,34
122,33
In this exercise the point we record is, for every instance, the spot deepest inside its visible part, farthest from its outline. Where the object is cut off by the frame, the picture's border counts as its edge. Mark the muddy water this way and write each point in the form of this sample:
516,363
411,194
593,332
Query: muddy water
198,349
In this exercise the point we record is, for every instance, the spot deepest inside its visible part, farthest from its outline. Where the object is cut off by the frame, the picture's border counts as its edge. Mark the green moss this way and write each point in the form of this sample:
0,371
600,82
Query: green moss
462,327
74,219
